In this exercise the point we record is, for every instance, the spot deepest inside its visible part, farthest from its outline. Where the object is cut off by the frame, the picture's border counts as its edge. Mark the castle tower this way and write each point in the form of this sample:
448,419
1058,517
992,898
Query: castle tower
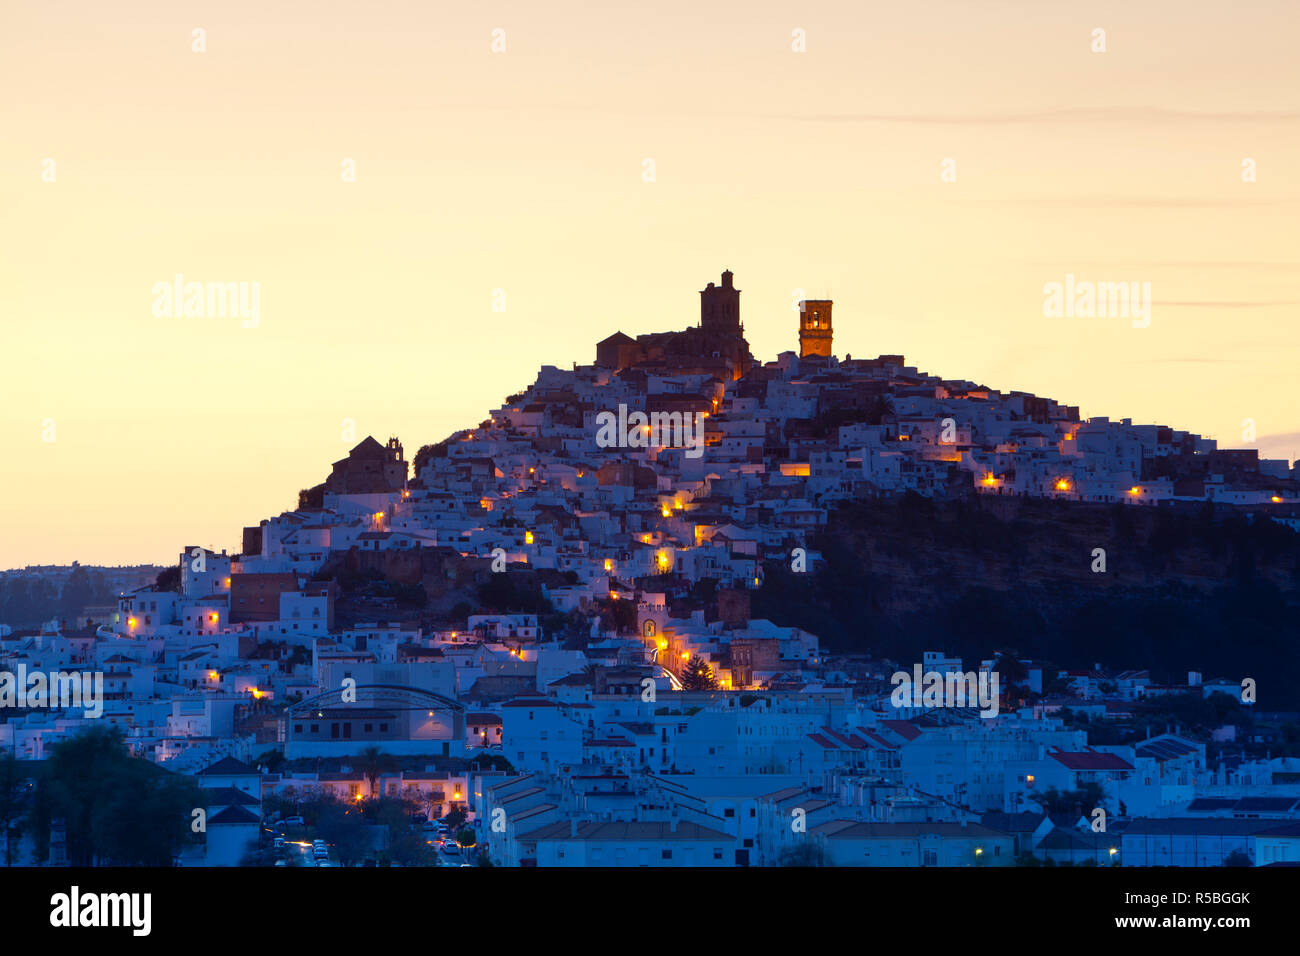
815,327
720,306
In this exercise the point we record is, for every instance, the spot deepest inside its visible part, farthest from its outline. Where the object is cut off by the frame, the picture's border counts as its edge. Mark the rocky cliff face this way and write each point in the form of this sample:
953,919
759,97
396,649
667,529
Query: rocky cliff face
1180,591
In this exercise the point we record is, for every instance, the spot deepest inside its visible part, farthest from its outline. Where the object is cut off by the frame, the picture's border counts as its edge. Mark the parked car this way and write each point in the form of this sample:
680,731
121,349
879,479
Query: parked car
279,843
294,822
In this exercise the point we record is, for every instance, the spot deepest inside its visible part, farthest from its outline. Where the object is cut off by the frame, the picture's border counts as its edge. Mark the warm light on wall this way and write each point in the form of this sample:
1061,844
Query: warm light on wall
528,537
1062,484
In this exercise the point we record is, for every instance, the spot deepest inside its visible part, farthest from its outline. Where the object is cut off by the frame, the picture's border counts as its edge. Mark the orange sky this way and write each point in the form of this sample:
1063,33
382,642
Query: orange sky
523,171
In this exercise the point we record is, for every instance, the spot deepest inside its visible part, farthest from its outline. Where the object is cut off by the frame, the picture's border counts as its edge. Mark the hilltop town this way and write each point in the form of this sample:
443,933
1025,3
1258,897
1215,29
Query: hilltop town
545,627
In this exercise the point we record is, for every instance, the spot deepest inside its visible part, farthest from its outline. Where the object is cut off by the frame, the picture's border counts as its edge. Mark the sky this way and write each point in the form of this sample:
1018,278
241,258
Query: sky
429,219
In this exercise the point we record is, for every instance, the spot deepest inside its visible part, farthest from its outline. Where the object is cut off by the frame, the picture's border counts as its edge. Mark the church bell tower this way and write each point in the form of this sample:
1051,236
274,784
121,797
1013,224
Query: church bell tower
815,327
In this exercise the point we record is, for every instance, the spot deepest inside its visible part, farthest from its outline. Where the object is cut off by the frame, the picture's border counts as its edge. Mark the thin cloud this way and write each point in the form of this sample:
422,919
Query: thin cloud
1124,202
1128,114
1208,304
1133,264
1182,361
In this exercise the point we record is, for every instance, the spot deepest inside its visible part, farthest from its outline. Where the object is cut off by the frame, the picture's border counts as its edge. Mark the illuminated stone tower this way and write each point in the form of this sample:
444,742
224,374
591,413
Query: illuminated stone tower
815,327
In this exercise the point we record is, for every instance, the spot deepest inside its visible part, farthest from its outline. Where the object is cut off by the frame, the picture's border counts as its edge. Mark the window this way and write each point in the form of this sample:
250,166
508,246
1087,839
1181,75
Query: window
665,854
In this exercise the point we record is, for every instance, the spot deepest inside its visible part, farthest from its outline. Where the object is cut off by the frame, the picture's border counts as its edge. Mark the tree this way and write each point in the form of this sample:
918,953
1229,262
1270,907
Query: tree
169,579
1238,858
804,854
698,675
372,762
1082,801
13,802
345,827
272,760
455,818
466,837
312,498
117,809
77,594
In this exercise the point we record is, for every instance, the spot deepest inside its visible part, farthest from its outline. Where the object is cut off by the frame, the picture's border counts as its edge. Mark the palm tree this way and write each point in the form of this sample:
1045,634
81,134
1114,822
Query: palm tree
372,762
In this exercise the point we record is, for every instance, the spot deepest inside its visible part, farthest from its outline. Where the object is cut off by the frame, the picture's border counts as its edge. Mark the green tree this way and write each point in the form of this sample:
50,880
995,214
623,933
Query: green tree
117,809
698,675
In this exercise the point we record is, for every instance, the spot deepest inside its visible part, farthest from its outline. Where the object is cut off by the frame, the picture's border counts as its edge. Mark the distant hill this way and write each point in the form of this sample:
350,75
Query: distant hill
32,596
